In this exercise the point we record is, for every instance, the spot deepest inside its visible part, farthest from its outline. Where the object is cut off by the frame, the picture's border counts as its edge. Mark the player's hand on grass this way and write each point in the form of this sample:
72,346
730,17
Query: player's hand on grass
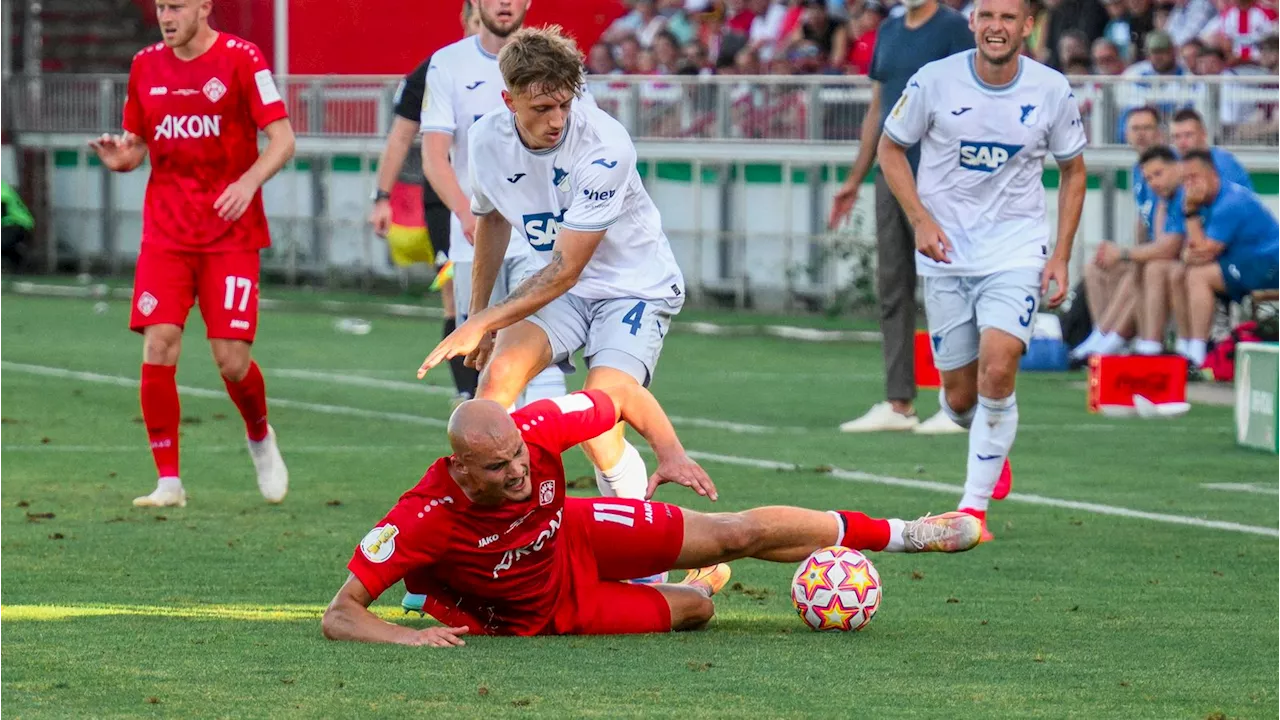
682,470
462,341
842,204
1056,271
380,218
233,201
114,150
932,242
440,637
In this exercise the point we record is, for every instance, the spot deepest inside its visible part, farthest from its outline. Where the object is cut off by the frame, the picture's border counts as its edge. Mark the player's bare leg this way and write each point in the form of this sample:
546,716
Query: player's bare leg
994,422
520,352
620,471
247,389
1203,283
1155,299
162,412
1178,306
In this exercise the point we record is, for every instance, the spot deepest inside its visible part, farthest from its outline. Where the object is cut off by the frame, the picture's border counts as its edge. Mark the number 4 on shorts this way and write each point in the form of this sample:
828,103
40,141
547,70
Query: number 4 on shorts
634,316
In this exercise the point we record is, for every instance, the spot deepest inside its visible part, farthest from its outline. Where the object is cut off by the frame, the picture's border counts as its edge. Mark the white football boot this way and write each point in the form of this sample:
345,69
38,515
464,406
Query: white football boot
273,476
168,493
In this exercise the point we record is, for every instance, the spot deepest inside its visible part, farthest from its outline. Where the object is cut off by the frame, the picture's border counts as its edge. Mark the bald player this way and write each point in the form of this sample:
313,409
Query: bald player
490,539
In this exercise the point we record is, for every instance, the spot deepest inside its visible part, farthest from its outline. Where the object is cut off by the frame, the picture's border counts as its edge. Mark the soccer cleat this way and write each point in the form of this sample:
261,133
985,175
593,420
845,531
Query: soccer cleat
650,580
273,476
982,516
413,602
939,424
954,531
710,580
881,417
1005,483
165,495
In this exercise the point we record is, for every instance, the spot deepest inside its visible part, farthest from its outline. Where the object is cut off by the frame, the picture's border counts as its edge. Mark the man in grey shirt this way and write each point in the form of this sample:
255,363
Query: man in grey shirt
905,43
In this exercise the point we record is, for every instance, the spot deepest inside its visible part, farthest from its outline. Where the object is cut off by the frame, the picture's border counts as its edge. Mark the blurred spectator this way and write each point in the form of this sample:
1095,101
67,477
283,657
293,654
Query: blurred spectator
828,34
1071,45
627,54
767,28
863,29
1040,10
696,60
1239,28
600,60
646,63
1080,67
1106,58
1188,19
1162,59
739,14
1085,16
666,53
1130,22
643,23
1189,134
1261,124
678,22
1189,52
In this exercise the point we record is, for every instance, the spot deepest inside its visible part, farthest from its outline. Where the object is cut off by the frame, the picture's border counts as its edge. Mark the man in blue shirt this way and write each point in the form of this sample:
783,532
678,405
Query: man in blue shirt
926,32
1233,245
1189,134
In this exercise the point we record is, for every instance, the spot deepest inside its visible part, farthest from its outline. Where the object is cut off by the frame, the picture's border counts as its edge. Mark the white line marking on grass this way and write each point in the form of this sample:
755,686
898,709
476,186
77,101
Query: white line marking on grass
204,393
849,475
1258,488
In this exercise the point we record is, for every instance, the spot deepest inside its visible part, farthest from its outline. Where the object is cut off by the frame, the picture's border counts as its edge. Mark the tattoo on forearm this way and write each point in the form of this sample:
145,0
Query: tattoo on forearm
538,281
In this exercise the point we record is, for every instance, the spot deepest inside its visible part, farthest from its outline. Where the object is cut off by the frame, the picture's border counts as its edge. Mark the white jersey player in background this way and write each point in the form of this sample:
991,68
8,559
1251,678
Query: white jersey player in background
464,83
564,174
985,120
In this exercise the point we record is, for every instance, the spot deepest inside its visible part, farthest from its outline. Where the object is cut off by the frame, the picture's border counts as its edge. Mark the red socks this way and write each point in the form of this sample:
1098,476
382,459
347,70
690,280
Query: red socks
161,413
862,532
250,396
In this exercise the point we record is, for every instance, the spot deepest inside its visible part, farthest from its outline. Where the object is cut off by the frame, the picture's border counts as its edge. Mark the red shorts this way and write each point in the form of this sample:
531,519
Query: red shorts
168,282
609,540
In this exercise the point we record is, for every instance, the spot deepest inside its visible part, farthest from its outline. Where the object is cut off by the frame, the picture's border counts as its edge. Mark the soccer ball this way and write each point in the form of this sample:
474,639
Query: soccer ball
836,588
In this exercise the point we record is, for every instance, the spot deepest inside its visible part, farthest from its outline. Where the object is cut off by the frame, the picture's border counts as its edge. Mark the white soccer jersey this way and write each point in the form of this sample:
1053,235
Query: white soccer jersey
982,154
463,83
586,182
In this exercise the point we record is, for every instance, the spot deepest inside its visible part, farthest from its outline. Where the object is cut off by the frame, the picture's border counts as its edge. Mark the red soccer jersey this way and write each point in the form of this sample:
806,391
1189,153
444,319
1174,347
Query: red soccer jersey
500,565
200,120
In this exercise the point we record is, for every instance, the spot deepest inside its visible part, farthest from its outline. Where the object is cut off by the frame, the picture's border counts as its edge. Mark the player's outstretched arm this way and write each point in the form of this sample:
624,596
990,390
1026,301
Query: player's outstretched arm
638,408
239,194
120,153
348,618
1070,204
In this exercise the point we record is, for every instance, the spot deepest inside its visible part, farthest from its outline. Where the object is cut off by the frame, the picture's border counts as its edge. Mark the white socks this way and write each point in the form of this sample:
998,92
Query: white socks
1083,350
627,479
896,543
1196,351
1180,346
1148,347
169,484
1111,344
547,384
995,425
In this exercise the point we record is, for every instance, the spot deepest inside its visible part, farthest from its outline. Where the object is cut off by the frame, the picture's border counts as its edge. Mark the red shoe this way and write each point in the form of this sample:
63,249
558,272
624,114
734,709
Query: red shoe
1005,483
986,535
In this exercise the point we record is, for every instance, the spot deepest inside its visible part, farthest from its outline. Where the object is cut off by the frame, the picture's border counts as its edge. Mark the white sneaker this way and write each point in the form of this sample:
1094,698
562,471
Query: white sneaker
166,494
940,424
273,476
880,417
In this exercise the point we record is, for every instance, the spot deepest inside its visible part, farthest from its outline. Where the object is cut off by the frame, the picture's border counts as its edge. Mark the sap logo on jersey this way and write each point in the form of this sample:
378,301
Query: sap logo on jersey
600,196
541,229
189,126
985,156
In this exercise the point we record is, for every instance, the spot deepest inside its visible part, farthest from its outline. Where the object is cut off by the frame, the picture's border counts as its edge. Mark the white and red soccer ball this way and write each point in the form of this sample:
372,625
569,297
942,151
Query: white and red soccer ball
836,589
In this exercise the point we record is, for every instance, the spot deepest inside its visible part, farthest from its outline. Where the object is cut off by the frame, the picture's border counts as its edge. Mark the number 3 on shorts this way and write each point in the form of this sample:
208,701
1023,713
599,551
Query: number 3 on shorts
634,316
1031,311
244,285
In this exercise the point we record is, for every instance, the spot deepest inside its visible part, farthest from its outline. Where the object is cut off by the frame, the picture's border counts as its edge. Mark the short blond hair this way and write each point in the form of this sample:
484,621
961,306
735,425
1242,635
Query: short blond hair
542,60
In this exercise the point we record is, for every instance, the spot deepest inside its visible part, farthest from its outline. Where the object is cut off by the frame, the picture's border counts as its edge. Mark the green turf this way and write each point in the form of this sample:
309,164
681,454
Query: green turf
213,610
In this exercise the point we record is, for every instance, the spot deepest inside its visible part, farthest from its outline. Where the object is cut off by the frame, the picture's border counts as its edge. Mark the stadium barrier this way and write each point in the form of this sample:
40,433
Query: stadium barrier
742,168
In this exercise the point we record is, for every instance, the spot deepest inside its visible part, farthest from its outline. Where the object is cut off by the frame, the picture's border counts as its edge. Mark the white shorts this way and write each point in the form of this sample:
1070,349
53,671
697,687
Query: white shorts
625,333
960,308
512,271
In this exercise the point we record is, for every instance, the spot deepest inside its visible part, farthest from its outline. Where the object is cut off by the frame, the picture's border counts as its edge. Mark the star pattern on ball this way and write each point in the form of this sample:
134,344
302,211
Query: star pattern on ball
835,615
858,579
816,576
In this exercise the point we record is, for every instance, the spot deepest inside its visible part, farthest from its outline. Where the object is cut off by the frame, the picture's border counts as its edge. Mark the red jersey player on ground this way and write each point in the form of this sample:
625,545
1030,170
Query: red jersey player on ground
195,104
491,540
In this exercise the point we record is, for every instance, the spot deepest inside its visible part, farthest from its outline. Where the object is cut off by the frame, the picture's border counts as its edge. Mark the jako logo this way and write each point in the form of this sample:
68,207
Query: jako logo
598,196
189,126
486,540
541,229
985,156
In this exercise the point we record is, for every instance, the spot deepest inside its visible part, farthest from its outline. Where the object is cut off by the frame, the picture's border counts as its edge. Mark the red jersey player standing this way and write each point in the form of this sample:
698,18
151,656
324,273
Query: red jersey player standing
196,102
491,540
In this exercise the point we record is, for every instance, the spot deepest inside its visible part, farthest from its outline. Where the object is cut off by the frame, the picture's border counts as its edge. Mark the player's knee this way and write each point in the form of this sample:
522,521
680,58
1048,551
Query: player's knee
738,535
161,345
232,361
1093,273
502,380
1155,272
1177,274
690,610
958,403
997,376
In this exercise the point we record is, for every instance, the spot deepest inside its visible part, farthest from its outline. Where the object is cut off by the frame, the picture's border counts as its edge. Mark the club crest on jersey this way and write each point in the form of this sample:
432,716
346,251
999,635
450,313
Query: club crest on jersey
559,178
1029,115
541,229
214,89
147,304
546,492
378,545
985,156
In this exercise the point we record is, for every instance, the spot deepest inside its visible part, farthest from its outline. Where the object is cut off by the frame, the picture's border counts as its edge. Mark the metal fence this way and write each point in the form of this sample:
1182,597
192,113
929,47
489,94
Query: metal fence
717,128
